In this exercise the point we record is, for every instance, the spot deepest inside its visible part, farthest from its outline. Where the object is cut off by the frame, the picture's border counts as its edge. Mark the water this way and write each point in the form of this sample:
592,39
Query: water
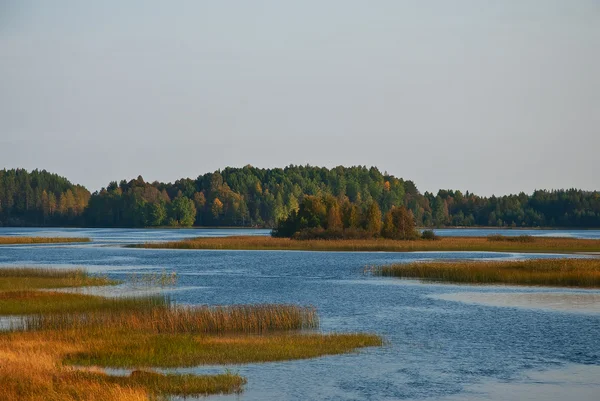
484,232
136,235
437,348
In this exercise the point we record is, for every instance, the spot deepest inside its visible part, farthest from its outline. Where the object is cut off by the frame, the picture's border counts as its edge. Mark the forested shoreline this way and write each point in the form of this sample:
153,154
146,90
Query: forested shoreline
254,197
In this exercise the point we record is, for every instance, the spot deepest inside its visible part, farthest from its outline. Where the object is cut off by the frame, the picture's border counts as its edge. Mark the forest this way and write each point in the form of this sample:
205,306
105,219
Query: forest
255,197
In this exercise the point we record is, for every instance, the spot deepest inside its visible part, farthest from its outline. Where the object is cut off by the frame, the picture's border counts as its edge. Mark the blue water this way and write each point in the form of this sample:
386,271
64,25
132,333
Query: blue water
435,348
137,235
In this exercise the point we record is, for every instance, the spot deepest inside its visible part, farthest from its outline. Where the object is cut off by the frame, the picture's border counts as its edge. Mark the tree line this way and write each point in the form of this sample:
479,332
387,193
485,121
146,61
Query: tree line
255,197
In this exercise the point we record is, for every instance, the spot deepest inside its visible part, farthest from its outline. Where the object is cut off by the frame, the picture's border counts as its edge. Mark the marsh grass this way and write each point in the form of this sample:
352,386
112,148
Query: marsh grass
173,319
546,272
162,279
182,350
15,240
170,384
31,368
43,303
66,329
31,278
538,244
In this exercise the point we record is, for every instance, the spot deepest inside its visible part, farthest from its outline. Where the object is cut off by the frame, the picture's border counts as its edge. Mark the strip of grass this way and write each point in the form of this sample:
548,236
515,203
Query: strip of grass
537,244
583,273
169,318
14,240
127,350
42,303
171,384
21,279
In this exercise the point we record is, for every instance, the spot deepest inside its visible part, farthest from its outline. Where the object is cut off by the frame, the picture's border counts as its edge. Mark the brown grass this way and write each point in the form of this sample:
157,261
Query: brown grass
31,368
547,272
36,357
246,319
14,240
28,278
538,244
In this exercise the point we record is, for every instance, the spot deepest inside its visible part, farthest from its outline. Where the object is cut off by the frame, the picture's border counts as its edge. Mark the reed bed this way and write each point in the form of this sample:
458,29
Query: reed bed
172,319
142,350
31,369
67,329
29,278
43,303
15,240
171,384
583,273
532,244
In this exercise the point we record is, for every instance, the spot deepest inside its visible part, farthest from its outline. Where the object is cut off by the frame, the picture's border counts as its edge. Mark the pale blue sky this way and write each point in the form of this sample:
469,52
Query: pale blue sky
486,96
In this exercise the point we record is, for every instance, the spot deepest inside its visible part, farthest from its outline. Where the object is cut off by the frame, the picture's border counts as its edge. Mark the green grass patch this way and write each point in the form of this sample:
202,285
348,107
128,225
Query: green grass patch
128,350
583,273
42,303
25,278
171,384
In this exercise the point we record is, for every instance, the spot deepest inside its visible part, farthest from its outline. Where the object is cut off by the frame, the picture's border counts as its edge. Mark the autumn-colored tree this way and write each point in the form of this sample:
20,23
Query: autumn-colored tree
373,223
199,200
334,217
216,208
399,223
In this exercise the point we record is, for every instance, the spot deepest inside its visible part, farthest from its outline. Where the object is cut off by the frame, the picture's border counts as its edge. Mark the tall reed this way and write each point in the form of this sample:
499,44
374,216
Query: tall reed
549,272
15,240
521,244
248,319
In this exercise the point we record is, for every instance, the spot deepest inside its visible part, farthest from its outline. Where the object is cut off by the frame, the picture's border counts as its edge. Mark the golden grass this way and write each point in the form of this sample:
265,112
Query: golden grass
21,278
36,357
538,244
547,272
13,240
168,318
32,369
42,302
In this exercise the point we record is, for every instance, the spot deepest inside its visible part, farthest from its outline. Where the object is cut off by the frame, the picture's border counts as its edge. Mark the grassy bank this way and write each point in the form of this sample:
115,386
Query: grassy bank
13,240
497,243
20,279
67,329
583,273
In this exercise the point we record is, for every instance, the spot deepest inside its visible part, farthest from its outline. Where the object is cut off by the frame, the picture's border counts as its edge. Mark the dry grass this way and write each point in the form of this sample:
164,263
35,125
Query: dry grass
538,244
36,358
42,302
13,240
547,272
172,319
22,278
32,369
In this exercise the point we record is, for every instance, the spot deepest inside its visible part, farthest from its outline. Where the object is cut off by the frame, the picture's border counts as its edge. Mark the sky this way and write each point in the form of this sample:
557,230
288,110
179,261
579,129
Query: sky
494,97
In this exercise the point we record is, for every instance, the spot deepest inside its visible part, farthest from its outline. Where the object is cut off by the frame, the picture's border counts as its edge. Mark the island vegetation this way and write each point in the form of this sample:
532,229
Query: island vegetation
467,244
56,349
254,197
584,273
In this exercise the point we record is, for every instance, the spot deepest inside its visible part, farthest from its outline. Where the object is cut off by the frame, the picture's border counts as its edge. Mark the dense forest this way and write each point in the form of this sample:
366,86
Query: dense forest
257,197
39,198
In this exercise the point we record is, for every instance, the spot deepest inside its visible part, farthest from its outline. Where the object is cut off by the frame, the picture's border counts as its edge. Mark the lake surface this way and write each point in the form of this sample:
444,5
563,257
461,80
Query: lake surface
442,344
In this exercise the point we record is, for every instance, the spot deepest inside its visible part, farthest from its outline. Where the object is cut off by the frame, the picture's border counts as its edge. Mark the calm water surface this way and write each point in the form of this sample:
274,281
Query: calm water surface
438,348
